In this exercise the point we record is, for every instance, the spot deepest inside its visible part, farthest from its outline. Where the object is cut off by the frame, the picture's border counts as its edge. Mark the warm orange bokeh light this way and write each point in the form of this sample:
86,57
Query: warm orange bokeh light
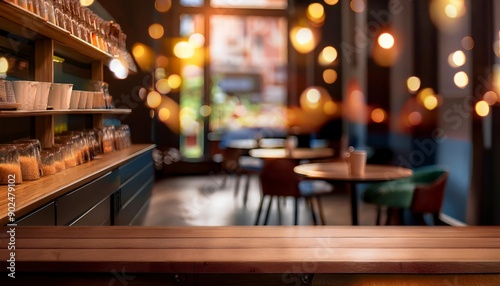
457,59
161,61
415,118
85,3
302,39
467,43
358,6
490,97
329,76
174,80
153,99
482,108
378,115
413,84
197,40
163,5
4,65
330,107
327,56
331,2
430,102
156,31
163,86
164,114
316,13
183,50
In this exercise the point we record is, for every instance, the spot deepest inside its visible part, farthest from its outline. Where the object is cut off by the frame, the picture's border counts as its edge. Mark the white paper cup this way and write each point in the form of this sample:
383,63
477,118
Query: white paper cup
83,100
42,95
357,162
90,100
75,99
25,93
60,95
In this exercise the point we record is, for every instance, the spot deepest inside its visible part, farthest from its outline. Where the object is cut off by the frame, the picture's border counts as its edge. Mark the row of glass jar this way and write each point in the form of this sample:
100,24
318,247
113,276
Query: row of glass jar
25,160
80,21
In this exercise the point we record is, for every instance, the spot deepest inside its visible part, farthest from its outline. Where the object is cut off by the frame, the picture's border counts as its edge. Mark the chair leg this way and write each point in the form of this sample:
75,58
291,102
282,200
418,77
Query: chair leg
260,210
278,199
247,187
268,209
379,214
237,186
320,210
296,211
311,207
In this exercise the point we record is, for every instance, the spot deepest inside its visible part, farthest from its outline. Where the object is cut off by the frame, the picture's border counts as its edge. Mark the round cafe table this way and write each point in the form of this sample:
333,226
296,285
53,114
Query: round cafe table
297,153
339,172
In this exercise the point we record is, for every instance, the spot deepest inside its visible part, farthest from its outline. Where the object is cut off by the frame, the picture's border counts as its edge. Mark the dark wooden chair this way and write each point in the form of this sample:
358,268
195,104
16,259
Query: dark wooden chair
278,180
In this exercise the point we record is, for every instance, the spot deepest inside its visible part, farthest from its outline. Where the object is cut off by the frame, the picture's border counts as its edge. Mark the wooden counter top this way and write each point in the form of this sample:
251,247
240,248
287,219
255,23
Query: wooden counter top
33,194
240,249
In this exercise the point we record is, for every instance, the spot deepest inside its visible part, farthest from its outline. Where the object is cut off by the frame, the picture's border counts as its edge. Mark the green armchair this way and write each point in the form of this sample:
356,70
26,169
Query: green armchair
422,193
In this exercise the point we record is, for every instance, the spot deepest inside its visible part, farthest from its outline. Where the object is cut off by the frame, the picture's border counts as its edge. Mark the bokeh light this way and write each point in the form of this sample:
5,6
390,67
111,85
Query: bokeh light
330,107
197,40
327,56
313,97
161,61
415,118
302,39
205,110
330,76
461,79
457,59
490,97
430,102
358,6
156,31
143,93
413,84
386,40
183,50
86,2
163,6
174,80
164,114
154,99
331,2
482,108
4,65
163,86
316,12
467,43
378,115
424,93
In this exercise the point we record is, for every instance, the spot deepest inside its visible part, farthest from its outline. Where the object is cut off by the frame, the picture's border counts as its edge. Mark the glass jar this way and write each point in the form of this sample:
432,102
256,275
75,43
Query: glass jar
49,10
70,151
48,163
10,168
29,160
108,140
59,14
38,148
59,163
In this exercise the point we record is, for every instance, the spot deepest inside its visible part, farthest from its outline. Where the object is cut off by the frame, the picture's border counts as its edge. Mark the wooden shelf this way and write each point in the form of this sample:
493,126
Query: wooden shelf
31,26
31,195
23,113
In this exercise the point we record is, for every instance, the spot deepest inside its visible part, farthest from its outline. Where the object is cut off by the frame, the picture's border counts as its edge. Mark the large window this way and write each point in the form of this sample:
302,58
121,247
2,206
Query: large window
238,77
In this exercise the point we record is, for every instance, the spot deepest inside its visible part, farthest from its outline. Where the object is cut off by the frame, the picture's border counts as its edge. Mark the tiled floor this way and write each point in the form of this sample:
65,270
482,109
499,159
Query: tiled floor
200,201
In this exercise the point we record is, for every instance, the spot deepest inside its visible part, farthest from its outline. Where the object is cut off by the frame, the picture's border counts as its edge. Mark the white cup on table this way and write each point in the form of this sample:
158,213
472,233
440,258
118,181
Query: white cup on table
357,162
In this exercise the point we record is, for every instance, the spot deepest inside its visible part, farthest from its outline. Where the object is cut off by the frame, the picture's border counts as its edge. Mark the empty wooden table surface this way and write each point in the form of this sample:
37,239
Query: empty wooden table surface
118,252
296,154
339,172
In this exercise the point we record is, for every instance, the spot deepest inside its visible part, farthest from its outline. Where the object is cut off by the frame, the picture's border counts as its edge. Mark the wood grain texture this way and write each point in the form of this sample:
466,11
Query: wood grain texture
339,171
297,154
22,113
44,66
34,194
286,249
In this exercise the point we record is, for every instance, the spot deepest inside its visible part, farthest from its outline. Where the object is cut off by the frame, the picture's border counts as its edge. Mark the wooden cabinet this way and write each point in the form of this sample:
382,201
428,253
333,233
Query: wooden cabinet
82,195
